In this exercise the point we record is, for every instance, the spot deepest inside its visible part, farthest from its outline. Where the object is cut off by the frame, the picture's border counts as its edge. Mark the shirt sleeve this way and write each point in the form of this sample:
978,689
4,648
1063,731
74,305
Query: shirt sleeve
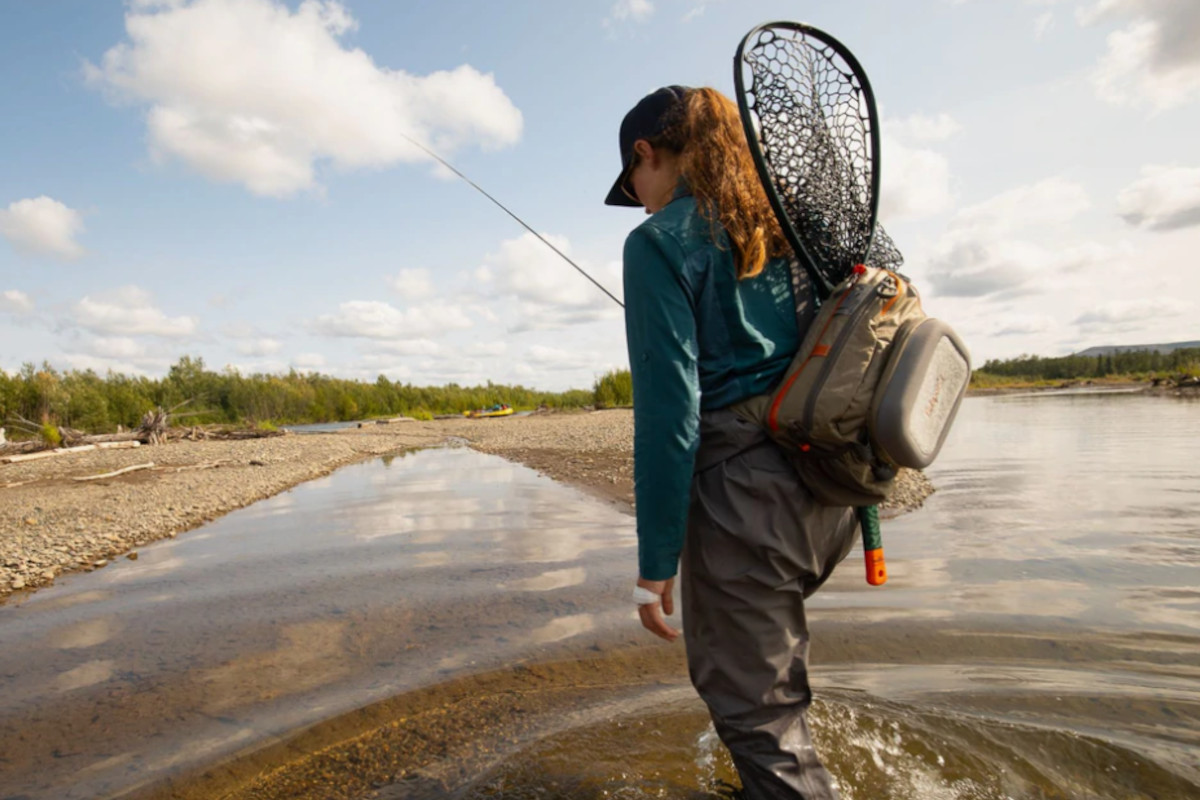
660,329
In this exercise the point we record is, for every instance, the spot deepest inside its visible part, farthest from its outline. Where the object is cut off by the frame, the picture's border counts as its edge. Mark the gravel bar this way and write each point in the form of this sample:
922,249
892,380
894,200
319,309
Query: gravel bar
51,524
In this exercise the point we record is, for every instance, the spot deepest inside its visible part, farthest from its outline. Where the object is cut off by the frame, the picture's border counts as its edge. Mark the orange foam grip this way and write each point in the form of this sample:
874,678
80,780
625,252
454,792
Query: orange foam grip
876,568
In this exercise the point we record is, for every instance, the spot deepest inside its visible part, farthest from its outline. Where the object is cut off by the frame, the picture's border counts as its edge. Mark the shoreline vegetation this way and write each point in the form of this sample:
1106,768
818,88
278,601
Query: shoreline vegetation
47,404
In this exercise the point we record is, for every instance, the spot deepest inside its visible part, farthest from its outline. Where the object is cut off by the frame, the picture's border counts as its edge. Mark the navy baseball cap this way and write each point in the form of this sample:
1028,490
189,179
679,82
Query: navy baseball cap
645,121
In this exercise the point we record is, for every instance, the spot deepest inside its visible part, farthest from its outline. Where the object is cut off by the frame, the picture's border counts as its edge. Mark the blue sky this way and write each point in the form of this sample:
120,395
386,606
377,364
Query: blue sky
227,178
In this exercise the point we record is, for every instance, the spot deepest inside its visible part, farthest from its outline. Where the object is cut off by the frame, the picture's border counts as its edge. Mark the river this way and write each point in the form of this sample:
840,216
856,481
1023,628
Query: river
449,624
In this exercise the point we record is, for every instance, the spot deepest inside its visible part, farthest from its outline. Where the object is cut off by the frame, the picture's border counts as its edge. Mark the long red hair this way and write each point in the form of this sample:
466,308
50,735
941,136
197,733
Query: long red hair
715,160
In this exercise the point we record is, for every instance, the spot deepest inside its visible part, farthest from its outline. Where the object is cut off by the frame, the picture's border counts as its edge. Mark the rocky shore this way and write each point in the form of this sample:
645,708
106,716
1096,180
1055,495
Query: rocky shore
51,523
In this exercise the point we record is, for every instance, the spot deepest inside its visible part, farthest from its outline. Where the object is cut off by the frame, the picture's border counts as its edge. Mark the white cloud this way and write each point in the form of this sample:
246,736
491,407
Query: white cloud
411,284
248,91
1154,59
914,183
1043,24
101,365
409,347
557,359
987,251
486,349
129,311
1019,324
13,301
260,347
1049,202
115,347
1162,199
631,10
42,226
549,292
1125,316
915,180
922,128
372,319
308,361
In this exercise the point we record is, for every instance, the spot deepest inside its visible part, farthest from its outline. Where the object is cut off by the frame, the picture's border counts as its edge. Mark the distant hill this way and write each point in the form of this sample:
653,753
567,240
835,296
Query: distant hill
1109,349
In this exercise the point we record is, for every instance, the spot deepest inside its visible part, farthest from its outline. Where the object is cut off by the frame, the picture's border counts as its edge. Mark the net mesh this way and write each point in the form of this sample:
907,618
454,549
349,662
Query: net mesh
811,114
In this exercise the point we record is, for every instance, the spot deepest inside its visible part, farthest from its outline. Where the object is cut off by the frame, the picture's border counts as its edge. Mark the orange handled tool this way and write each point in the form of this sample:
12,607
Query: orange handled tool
868,519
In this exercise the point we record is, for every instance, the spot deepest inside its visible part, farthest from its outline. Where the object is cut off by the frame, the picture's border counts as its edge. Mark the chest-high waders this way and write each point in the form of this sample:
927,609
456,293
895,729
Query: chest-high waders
757,545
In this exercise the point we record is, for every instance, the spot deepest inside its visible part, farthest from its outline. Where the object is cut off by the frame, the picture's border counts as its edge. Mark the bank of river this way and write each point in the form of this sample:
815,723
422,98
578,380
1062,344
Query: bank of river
53,524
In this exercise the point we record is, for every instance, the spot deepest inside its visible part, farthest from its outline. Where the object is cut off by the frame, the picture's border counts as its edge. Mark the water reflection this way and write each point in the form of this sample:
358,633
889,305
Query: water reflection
1082,506
89,674
85,634
563,628
367,583
554,579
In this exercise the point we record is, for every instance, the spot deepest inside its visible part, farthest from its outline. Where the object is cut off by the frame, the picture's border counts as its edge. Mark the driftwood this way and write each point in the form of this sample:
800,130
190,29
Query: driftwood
63,450
246,434
205,465
115,473
153,429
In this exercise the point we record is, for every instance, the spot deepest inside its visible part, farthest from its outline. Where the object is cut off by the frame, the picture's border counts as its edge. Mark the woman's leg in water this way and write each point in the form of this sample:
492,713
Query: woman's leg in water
756,546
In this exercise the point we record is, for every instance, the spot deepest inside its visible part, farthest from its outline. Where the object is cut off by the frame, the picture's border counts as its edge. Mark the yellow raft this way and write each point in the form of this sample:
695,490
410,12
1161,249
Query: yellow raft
498,410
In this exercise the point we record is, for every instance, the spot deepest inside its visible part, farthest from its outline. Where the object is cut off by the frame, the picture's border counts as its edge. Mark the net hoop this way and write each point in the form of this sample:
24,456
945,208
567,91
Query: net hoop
818,160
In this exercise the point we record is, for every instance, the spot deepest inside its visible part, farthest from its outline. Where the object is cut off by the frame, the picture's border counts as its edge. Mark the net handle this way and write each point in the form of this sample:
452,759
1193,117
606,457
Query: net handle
822,286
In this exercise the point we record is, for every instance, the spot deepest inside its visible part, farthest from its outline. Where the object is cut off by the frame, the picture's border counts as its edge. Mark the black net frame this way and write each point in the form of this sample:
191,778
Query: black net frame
813,129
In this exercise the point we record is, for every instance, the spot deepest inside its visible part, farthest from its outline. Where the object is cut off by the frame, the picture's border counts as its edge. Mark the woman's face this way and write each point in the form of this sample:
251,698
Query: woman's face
654,176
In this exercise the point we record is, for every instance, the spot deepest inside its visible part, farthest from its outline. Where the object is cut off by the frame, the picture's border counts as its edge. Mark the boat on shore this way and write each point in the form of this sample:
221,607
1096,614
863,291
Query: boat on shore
498,410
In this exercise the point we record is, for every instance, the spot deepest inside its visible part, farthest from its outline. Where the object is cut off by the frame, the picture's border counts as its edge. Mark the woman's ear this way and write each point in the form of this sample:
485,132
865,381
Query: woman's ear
644,150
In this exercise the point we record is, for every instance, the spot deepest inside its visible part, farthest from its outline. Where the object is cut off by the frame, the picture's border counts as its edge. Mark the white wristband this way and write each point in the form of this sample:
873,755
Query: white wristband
644,597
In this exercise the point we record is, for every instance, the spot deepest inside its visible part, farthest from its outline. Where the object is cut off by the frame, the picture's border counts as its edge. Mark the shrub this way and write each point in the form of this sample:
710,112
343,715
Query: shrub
50,435
613,389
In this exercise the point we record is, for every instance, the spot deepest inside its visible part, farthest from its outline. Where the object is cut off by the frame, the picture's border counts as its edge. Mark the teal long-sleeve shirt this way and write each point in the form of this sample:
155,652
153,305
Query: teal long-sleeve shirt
699,339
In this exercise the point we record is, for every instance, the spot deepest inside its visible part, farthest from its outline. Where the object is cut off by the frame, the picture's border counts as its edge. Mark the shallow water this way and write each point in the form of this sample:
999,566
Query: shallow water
1038,637
369,582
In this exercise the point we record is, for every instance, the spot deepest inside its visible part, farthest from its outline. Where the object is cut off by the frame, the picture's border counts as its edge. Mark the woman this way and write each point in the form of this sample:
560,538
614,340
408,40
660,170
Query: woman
712,317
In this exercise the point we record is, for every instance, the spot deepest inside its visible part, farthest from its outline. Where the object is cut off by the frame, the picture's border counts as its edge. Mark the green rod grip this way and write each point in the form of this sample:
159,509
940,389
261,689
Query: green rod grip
868,520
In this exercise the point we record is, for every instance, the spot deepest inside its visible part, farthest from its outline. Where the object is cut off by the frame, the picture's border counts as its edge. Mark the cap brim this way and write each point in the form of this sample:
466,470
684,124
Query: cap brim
617,195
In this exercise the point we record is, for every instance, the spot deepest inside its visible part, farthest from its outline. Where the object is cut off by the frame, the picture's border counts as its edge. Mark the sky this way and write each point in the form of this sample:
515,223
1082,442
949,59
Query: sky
235,179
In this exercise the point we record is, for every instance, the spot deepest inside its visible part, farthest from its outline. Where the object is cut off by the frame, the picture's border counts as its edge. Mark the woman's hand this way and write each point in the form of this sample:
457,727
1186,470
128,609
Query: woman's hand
652,613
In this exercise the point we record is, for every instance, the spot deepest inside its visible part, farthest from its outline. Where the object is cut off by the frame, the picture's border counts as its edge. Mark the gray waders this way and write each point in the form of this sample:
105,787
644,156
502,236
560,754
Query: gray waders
757,545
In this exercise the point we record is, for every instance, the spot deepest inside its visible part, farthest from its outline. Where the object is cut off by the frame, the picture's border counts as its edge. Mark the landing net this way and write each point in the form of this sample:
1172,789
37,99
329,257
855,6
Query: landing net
813,130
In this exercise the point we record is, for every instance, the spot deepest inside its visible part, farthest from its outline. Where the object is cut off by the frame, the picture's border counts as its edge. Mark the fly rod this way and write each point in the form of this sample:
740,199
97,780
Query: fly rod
506,210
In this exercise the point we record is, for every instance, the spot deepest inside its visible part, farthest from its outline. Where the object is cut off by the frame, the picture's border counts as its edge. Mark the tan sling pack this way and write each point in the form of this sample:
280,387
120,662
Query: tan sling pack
874,386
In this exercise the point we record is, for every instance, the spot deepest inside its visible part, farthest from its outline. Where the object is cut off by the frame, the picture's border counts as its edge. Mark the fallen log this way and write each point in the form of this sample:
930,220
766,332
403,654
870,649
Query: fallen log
64,450
115,473
205,465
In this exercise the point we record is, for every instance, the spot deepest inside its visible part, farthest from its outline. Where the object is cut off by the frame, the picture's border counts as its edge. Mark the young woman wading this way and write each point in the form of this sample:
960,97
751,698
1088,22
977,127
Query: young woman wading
711,316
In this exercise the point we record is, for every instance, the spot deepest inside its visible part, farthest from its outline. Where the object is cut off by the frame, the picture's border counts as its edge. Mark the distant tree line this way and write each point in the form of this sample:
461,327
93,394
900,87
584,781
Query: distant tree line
86,401
1133,363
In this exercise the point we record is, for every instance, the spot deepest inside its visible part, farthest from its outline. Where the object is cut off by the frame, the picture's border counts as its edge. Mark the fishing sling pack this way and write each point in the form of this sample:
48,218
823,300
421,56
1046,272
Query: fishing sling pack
873,387
875,384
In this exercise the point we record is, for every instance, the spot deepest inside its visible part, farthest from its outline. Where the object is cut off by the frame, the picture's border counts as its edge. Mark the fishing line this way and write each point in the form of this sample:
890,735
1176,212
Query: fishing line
505,209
